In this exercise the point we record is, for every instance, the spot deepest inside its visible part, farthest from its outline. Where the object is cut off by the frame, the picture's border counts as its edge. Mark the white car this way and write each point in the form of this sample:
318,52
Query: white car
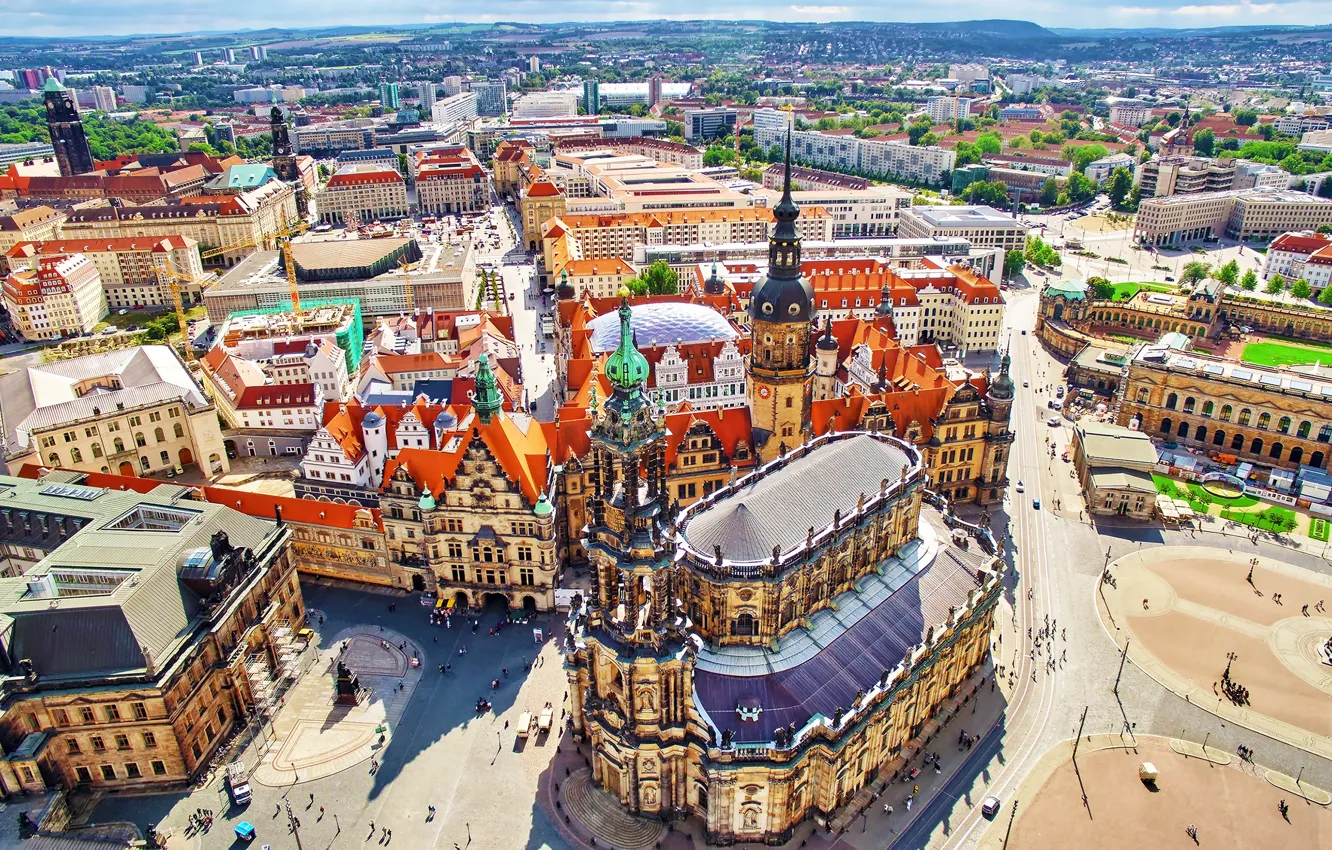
990,807
1054,420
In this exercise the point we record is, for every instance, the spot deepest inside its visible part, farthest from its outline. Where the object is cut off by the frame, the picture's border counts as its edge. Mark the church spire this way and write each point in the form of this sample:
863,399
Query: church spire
627,368
486,398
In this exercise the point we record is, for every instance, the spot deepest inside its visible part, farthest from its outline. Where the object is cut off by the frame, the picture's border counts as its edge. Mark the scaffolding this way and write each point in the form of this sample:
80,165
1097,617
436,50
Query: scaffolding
350,338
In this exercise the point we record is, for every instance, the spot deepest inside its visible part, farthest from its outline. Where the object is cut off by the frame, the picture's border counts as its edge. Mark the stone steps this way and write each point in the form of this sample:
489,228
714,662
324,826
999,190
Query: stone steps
601,814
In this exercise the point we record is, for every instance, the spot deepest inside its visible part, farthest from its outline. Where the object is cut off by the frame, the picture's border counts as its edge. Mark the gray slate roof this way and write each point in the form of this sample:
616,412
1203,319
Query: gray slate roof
779,509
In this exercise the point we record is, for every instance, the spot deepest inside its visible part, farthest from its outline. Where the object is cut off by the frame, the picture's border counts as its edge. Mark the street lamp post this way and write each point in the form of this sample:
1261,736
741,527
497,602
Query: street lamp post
1230,659
1009,831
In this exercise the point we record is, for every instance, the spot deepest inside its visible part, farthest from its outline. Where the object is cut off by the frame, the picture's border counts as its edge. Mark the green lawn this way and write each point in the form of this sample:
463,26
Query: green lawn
1128,289
1271,352
1244,501
1273,519
1318,529
1198,500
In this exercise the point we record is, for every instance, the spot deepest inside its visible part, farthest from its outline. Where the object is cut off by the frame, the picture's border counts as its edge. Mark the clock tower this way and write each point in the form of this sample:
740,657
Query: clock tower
781,309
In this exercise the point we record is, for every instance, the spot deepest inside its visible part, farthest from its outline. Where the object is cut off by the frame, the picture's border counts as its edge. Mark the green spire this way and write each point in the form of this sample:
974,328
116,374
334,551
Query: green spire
427,502
543,506
53,85
627,368
486,399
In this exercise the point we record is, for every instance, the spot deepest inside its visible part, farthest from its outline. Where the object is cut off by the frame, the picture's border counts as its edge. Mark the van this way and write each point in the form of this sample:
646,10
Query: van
238,783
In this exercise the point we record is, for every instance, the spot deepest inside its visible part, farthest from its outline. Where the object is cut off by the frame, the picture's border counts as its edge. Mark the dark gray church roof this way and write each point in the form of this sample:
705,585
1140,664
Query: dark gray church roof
779,509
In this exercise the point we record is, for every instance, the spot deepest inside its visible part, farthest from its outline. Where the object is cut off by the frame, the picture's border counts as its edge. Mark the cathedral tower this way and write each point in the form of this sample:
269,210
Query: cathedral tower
66,127
781,309
998,436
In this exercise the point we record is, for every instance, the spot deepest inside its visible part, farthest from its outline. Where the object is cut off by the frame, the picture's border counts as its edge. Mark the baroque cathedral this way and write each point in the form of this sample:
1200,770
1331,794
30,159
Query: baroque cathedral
756,658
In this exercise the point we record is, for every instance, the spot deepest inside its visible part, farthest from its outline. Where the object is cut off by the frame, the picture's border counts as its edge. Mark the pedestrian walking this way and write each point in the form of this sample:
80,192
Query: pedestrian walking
321,812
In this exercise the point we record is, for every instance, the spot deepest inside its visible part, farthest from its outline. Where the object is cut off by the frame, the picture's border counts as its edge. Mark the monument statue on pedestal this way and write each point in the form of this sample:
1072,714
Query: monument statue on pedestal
347,687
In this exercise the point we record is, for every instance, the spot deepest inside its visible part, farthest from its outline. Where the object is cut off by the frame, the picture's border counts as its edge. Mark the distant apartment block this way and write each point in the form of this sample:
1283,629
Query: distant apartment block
890,160
702,124
1129,113
451,110
947,108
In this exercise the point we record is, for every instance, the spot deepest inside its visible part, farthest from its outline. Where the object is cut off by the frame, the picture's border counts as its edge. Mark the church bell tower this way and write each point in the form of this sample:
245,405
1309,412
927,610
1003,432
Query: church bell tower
780,310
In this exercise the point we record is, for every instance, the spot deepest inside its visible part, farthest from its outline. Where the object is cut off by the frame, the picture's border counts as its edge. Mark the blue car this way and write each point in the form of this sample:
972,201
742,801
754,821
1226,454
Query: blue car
1036,503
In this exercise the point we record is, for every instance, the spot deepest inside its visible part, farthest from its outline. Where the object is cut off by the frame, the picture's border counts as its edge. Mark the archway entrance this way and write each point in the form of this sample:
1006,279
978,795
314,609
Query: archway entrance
126,468
495,603
186,457
418,582
529,605
460,601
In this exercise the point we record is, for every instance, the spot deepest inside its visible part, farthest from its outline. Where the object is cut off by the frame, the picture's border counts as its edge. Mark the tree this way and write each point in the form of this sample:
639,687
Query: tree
1195,271
1325,296
1049,192
718,155
1228,273
1245,117
989,142
1080,187
1014,262
657,279
1204,142
1119,186
1250,281
1301,289
1325,228
1276,284
1083,155
916,132
1102,289
990,193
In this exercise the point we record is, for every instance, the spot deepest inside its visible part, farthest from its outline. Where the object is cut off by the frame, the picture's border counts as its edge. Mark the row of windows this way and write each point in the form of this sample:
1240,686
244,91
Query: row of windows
1226,412
108,771
98,743
87,714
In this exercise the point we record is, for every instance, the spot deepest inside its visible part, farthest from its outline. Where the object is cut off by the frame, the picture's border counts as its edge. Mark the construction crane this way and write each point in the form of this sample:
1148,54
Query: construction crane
167,276
283,235
407,284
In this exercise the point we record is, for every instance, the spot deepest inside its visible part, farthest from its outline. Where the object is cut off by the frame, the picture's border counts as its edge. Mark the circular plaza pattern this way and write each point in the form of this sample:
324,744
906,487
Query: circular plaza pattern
1232,803
1191,613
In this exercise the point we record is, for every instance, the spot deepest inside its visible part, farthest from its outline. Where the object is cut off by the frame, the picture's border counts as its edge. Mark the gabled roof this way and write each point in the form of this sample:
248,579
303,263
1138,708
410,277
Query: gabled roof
306,511
277,395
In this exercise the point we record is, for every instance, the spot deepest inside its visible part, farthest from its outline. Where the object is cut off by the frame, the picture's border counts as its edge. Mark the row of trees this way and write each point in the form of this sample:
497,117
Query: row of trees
107,139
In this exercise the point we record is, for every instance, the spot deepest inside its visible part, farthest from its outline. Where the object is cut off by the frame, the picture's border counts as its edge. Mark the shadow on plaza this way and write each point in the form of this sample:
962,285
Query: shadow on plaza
442,703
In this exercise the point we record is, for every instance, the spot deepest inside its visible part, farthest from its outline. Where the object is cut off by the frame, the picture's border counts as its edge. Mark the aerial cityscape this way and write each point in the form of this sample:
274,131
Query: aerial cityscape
552,434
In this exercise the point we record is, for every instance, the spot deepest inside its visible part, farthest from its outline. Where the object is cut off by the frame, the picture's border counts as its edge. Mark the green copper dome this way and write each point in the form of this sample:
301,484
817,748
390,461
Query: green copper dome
627,368
427,501
53,85
543,506
486,398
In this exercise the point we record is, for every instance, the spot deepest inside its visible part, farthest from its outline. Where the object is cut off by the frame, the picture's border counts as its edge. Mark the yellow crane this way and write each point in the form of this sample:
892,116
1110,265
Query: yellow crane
407,284
167,276
283,235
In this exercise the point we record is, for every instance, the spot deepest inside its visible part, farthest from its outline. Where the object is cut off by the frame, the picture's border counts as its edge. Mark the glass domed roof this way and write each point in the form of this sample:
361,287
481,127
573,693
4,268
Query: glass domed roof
661,324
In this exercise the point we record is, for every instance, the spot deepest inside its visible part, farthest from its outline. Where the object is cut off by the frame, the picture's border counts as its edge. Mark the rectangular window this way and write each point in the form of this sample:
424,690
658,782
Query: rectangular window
98,744
108,772
150,740
122,742
72,746
132,770
112,713
83,774
140,712
159,768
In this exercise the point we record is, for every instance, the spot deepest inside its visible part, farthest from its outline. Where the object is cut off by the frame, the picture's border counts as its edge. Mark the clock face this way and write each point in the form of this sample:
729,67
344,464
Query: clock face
764,392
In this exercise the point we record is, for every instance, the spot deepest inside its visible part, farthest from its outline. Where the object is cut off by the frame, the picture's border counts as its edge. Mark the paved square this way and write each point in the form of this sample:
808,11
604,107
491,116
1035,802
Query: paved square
480,777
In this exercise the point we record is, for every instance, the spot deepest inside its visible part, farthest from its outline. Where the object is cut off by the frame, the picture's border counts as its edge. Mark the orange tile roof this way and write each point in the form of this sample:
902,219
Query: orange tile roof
304,511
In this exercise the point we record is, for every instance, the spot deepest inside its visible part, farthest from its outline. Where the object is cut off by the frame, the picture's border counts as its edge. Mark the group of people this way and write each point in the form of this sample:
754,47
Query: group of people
1232,690
200,821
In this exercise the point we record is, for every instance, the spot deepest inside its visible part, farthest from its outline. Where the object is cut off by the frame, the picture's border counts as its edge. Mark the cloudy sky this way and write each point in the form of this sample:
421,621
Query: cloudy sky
105,17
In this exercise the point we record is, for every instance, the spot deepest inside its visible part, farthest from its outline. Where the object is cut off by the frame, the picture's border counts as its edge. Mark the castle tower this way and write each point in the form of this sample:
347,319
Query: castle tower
998,436
825,364
630,683
780,309
66,127
486,398
284,158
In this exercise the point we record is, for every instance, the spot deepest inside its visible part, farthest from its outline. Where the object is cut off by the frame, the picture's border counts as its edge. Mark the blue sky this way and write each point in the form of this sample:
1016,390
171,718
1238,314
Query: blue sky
64,17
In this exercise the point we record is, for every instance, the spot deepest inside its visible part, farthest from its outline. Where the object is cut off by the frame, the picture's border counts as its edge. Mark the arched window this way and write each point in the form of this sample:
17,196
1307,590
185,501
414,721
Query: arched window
1245,415
1316,460
1207,408
1283,424
1264,421
140,440
166,459
1305,427
97,449
1201,434
1237,442
119,445
1219,438
1189,404
1256,447
75,456
1226,411
1184,430
1276,451
178,430
53,459
1166,425
744,626
1172,401
159,435
1143,393
1296,455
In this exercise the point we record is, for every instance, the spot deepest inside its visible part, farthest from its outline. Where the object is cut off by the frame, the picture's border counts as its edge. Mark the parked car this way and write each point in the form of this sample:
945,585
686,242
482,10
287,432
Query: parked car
990,807
1053,421
1036,504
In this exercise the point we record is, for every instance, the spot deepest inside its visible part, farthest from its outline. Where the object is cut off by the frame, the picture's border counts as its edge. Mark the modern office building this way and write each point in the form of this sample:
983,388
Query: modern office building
491,97
388,96
978,225
546,104
1236,214
591,97
703,124
456,108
